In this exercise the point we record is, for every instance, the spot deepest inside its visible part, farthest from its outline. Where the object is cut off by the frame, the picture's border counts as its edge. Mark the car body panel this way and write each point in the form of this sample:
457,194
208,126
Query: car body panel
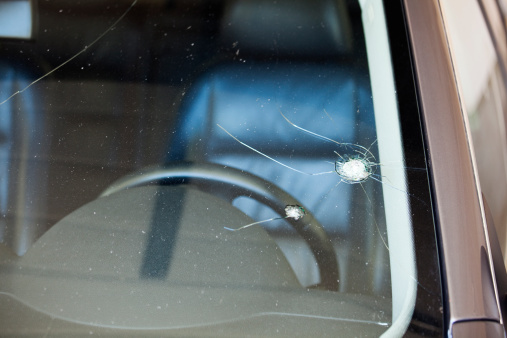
470,290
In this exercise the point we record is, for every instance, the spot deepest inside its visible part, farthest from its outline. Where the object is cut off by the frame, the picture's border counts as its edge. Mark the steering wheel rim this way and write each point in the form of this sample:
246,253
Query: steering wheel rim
210,177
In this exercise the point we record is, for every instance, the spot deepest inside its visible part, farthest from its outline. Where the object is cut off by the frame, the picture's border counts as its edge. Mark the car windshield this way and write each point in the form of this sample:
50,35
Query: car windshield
212,168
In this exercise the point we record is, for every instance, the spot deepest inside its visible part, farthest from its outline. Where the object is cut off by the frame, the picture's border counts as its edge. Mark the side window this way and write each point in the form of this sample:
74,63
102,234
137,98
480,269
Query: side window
476,30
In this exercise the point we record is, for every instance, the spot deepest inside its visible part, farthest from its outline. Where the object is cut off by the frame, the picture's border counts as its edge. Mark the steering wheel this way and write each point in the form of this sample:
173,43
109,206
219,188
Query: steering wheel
229,184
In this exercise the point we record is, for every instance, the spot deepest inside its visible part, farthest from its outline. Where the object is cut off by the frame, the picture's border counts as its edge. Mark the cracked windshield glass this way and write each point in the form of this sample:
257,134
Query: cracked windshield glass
209,168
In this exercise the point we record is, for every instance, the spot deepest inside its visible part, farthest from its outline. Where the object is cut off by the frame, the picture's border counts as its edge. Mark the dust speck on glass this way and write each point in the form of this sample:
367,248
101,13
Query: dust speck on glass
139,137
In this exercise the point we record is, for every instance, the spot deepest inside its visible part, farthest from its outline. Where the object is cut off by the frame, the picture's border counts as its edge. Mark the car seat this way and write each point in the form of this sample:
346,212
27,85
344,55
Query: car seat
298,59
23,140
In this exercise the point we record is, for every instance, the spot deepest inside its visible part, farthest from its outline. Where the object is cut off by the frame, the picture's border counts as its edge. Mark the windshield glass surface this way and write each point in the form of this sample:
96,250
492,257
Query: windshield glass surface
210,167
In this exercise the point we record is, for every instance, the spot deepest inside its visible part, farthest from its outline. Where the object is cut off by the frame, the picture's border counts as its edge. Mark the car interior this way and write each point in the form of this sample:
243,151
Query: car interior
125,166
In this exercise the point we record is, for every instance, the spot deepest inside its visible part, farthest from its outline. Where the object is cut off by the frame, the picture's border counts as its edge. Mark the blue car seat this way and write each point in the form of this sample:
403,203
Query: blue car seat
296,60
23,140
315,84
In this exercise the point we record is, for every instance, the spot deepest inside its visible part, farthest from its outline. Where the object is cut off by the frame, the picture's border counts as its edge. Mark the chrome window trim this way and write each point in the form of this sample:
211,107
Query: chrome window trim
469,289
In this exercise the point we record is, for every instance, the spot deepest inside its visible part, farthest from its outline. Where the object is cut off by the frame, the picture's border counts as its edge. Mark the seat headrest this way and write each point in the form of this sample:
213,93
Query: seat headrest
290,28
